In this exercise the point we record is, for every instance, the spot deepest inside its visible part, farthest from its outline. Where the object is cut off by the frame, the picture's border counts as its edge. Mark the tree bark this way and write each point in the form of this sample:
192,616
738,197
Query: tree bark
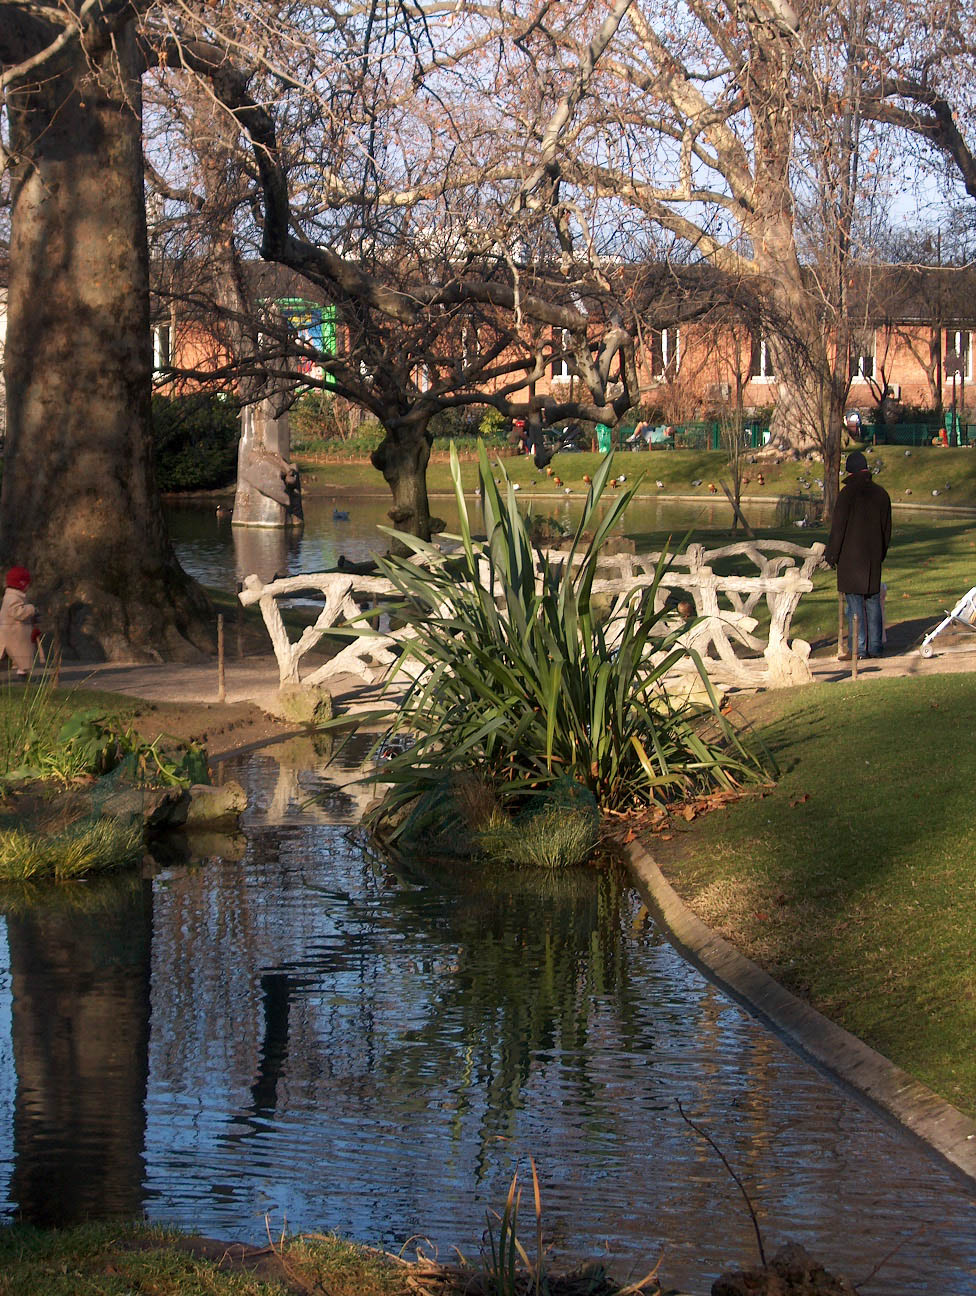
79,504
402,458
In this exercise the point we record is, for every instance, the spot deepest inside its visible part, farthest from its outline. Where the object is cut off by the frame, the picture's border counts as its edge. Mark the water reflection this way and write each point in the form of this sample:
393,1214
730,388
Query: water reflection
267,551
220,555
79,982
335,1046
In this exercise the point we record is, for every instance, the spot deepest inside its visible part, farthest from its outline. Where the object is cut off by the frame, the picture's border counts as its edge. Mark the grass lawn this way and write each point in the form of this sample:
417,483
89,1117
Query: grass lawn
909,479
853,882
122,1259
116,1260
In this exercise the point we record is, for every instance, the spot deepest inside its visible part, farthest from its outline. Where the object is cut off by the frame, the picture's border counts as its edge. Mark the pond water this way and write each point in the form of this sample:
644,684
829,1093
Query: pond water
219,554
290,1034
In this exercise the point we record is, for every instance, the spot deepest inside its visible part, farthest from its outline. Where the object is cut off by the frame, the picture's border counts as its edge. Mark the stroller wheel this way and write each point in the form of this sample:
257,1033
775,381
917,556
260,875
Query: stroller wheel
926,650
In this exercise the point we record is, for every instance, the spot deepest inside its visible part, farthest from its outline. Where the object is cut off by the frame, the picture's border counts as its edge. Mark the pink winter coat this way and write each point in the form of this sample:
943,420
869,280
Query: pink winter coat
16,623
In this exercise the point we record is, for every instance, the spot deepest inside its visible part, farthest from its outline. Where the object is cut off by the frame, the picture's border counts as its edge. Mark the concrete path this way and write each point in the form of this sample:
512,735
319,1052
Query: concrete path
248,679
255,679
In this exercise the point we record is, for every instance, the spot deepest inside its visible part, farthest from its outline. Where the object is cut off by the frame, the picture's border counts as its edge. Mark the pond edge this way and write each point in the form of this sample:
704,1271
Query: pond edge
885,1087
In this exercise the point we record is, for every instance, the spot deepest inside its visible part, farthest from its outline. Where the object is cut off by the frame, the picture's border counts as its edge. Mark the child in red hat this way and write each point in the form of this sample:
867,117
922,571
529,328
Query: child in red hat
17,616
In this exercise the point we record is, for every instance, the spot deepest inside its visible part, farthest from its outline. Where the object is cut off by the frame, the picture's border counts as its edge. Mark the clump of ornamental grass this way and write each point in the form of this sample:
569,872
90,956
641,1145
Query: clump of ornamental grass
77,850
551,839
518,680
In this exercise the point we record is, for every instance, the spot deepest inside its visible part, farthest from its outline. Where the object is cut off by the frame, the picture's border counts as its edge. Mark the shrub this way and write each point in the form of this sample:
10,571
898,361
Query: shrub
491,425
467,423
320,419
195,441
524,684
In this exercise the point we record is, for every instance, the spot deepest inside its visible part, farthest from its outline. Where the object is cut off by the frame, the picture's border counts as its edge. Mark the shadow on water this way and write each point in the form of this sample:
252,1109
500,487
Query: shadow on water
302,1036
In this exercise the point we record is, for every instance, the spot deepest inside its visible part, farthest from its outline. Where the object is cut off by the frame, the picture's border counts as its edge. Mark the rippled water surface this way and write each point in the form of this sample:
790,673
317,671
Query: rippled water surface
290,1032
219,554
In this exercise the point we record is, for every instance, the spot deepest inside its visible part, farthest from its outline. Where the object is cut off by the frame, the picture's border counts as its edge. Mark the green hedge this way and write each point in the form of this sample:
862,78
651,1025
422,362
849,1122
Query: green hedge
195,441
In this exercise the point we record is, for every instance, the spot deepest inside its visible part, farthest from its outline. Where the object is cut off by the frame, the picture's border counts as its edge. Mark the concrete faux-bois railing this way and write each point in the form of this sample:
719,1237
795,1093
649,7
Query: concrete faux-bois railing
723,630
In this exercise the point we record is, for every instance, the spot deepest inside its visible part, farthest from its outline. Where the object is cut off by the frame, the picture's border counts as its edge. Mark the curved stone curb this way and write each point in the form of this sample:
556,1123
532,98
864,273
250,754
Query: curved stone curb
938,1124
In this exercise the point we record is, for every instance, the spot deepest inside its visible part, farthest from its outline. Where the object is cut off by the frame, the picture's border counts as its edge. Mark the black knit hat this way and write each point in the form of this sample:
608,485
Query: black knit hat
856,462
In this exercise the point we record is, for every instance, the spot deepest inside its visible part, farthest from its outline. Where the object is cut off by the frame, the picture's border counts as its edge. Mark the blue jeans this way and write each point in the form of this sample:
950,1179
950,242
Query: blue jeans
870,626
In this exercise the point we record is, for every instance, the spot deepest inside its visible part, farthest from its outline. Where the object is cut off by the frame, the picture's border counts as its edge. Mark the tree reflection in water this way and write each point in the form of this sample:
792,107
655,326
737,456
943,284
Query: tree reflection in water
79,961
523,963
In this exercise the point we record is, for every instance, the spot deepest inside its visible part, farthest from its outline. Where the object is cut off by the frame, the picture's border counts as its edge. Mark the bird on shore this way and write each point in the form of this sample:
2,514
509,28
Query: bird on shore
340,515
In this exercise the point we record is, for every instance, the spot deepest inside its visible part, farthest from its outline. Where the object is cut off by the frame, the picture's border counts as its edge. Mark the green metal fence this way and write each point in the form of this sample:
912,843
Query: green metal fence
708,436
922,434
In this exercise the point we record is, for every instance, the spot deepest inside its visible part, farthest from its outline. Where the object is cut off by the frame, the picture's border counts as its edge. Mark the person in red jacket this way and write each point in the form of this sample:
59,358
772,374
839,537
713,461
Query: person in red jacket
17,618
860,533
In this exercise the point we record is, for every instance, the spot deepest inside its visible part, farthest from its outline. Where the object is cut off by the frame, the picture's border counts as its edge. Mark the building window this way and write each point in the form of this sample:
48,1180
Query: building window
862,355
161,346
562,368
470,348
665,351
761,362
958,356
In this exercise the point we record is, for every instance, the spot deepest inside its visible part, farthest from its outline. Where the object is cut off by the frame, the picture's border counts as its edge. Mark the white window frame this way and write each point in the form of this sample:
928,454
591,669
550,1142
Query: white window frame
765,374
860,355
953,341
562,370
162,346
470,343
670,351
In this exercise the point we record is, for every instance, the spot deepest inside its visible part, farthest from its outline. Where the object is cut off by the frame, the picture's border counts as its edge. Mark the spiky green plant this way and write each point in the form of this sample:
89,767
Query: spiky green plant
520,679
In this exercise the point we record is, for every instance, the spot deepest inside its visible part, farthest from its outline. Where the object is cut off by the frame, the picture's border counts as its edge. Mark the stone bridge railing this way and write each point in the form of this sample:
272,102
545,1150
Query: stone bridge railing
736,646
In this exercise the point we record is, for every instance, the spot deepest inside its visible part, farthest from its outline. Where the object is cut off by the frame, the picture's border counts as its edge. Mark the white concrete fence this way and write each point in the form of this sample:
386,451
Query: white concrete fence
724,631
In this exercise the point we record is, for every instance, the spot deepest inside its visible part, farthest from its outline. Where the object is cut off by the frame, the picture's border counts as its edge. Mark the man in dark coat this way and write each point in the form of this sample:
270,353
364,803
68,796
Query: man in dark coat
860,532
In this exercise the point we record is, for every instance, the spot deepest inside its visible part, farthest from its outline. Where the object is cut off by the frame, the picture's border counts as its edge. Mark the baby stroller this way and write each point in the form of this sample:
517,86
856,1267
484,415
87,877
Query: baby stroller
963,614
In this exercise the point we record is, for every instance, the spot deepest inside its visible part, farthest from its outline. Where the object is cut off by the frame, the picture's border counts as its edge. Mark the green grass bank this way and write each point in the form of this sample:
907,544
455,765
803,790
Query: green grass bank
909,478
115,1259
853,881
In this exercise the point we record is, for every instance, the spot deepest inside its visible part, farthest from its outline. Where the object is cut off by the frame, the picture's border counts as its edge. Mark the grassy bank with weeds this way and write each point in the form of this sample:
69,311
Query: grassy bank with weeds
120,1259
909,479
853,882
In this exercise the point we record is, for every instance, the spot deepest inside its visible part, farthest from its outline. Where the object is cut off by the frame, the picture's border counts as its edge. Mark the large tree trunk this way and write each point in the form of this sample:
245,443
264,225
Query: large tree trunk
79,505
402,458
